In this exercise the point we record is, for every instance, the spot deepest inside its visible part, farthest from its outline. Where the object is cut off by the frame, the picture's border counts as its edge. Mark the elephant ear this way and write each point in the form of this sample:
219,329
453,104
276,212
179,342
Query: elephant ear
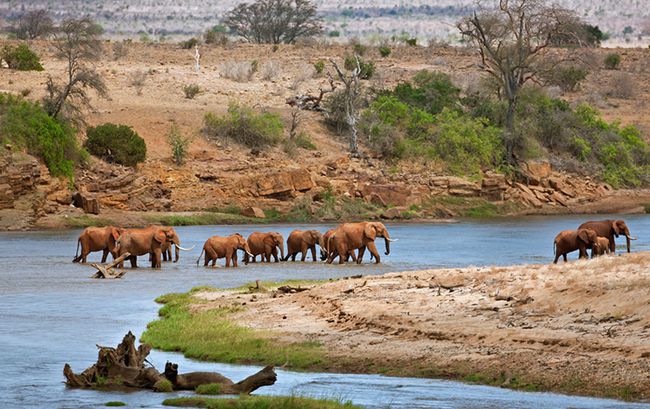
160,236
370,231
115,233
617,231
583,235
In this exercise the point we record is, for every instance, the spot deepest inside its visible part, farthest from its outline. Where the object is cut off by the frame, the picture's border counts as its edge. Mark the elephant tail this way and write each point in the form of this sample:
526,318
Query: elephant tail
200,255
76,254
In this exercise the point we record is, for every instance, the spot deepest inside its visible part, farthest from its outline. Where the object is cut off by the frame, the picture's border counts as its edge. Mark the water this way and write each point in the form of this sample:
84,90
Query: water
52,313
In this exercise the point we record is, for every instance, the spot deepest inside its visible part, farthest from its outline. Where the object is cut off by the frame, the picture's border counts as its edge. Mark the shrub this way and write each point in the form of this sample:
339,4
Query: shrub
612,61
359,49
27,125
116,143
214,36
568,78
178,144
367,69
120,50
319,67
270,70
621,86
189,44
237,71
411,41
245,126
431,91
191,90
384,51
137,80
334,33
21,58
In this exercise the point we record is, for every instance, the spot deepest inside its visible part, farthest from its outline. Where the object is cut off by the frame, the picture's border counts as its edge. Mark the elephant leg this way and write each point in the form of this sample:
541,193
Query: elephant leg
557,256
228,257
612,244
313,253
274,253
359,257
234,259
293,256
156,259
104,255
565,259
134,261
373,250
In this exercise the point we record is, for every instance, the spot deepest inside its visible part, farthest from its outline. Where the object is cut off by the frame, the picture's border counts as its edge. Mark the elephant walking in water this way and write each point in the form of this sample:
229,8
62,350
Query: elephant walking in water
152,240
265,245
223,247
568,241
601,247
609,229
300,241
351,236
97,239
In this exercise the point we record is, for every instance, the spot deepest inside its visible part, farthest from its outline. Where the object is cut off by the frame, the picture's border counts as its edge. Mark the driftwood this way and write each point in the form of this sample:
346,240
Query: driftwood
106,270
287,289
312,102
124,366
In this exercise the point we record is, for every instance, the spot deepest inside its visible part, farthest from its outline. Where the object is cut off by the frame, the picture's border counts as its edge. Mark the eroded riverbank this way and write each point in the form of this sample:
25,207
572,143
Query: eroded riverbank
578,328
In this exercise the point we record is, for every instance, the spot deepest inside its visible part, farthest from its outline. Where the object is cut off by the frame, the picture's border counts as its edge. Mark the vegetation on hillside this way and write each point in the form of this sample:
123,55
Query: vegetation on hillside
26,125
21,58
116,143
245,126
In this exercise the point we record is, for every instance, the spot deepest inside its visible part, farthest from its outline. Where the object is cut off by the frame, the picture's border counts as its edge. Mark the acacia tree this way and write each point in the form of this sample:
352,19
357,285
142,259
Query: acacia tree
34,24
274,21
77,43
512,39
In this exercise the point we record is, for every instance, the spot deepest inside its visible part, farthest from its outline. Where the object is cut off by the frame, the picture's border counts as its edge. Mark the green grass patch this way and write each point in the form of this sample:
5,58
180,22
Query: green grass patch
115,403
483,210
258,402
211,335
647,208
201,218
209,389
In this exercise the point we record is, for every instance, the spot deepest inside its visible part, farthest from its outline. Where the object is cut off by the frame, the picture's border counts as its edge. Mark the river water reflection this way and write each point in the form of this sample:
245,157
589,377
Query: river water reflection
52,313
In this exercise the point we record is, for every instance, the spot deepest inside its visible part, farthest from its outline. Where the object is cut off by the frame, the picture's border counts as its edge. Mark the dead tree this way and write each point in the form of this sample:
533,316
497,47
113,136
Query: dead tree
124,366
312,102
352,96
106,270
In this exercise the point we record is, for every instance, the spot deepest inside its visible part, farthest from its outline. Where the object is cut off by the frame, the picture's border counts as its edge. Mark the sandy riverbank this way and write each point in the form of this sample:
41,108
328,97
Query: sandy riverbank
580,327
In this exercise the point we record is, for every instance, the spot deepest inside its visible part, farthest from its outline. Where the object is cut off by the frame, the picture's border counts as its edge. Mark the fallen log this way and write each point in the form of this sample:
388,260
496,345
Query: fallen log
287,289
124,366
106,270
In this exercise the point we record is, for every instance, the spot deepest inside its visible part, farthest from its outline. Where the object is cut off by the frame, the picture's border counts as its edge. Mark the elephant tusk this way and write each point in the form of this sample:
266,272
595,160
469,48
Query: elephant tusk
632,238
184,249
249,254
392,239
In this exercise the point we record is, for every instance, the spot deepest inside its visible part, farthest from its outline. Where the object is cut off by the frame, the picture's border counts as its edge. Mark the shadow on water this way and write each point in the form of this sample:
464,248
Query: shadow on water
52,313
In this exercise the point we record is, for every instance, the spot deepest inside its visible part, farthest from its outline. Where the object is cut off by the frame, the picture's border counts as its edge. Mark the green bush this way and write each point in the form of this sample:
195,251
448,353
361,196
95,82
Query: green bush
245,126
27,125
568,78
319,66
384,51
367,69
189,44
359,49
21,58
208,389
116,143
431,91
191,90
178,144
411,41
612,61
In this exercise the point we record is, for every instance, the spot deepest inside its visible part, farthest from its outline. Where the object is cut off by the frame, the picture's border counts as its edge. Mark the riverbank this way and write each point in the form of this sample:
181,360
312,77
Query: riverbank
578,328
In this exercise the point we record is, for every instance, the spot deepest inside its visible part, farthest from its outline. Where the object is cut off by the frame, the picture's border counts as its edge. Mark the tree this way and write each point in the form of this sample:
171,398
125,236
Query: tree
511,40
34,24
351,101
274,21
77,43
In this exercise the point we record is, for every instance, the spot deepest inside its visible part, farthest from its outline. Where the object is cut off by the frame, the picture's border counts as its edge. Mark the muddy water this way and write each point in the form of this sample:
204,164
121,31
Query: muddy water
52,313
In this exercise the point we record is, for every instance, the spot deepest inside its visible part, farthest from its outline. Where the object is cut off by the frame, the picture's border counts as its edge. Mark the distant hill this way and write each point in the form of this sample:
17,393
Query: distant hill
350,18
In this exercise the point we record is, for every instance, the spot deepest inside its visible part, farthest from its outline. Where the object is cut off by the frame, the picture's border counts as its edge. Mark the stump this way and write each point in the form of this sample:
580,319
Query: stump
106,270
124,366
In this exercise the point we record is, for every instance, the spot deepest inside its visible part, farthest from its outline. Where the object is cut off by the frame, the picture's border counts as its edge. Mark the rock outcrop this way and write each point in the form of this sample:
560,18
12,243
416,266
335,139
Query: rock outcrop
19,174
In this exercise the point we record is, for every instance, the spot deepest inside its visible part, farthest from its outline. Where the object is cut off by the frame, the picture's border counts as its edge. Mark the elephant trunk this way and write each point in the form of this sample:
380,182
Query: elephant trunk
628,238
387,241
281,249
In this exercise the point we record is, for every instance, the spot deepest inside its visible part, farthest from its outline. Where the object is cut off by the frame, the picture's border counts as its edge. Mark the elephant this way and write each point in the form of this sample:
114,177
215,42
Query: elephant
219,247
330,249
351,236
97,239
167,247
571,240
610,229
265,245
601,247
299,241
139,242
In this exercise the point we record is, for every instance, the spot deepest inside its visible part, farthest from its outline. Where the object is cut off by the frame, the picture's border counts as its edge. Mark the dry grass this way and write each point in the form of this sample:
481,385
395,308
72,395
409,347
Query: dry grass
240,71
270,70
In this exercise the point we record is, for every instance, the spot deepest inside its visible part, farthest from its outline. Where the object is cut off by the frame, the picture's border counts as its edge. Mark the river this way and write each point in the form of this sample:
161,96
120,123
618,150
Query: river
51,312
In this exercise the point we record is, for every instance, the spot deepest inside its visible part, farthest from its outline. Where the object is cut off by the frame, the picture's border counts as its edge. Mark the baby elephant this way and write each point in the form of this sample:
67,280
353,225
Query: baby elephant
601,247
568,241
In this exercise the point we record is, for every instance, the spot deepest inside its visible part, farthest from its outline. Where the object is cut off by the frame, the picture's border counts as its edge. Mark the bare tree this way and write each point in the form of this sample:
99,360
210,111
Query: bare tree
77,43
351,101
512,39
34,24
274,21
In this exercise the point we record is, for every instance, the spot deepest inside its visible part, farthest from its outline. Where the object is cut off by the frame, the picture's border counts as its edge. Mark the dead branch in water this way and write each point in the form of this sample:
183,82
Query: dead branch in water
106,270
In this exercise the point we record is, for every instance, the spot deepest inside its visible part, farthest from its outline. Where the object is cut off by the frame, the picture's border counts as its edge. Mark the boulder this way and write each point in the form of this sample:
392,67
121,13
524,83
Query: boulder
536,171
274,184
494,186
393,213
63,197
86,202
6,196
301,180
389,194
527,195
253,212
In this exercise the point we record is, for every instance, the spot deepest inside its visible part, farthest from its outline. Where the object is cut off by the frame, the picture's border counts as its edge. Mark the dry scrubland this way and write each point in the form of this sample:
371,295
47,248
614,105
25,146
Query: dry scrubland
579,328
371,19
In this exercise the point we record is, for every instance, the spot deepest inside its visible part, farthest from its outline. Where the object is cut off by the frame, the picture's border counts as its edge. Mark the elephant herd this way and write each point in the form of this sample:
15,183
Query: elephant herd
348,240
595,235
